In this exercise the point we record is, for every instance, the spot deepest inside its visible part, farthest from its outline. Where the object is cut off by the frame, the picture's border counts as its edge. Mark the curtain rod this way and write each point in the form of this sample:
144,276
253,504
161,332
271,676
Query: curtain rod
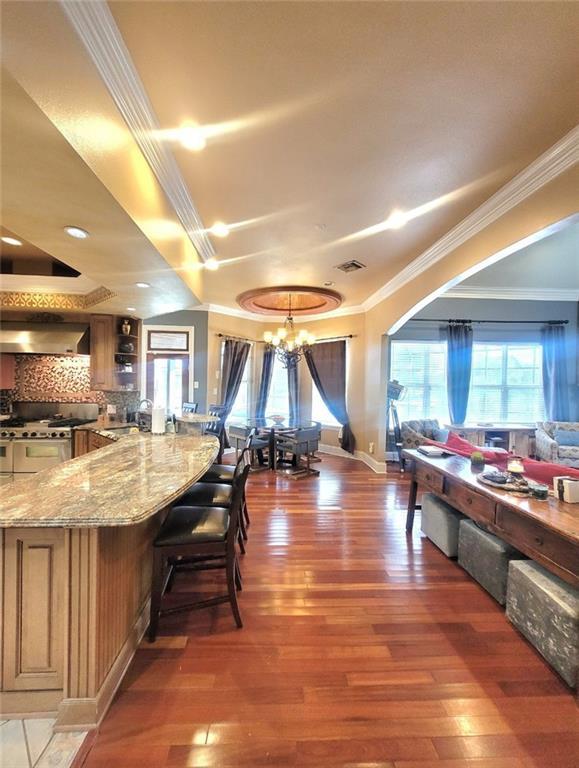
467,322
260,341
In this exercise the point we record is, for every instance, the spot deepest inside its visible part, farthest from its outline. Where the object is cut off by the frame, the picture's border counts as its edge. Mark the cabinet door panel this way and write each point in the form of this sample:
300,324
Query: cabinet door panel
102,338
33,609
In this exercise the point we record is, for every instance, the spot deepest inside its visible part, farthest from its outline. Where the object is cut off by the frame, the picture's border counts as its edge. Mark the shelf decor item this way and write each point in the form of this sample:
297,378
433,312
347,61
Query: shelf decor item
126,327
126,346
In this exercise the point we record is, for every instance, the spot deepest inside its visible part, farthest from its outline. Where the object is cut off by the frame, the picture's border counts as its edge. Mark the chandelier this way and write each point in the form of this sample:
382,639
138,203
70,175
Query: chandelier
289,344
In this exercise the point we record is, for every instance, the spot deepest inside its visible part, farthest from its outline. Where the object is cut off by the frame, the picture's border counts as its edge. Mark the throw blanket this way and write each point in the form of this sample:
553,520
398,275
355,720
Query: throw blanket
540,471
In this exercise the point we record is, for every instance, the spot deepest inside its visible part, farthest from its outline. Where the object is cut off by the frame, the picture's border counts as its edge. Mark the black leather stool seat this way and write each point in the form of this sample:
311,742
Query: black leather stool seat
193,525
206,495
219,473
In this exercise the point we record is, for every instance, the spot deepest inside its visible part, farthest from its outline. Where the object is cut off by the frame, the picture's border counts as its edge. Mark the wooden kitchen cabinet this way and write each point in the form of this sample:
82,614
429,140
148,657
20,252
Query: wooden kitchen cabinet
7,371
113,368
86,440
102,352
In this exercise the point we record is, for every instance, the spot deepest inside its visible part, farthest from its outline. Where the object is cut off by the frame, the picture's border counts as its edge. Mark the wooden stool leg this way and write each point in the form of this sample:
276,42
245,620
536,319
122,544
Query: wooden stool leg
238,581
245,512
232,592
240,540
156,592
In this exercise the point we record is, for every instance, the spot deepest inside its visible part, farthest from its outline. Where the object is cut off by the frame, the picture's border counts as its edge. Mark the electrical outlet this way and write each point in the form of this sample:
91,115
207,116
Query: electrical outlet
371,448
195,385
111,409
214,390
217,374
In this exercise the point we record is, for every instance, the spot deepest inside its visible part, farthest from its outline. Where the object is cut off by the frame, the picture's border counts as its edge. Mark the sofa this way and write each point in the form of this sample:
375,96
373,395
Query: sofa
419,431
554,445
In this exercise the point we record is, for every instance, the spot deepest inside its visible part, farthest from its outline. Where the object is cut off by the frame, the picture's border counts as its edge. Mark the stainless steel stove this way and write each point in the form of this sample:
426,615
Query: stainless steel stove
33,441
35,430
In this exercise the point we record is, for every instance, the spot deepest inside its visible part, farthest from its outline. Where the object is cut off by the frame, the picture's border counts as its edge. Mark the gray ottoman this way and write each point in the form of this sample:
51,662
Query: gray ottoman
546,611
486,558
439,522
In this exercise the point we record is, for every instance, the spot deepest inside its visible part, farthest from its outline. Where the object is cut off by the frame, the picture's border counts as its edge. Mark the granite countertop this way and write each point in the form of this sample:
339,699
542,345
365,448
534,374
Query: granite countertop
123,483
197,418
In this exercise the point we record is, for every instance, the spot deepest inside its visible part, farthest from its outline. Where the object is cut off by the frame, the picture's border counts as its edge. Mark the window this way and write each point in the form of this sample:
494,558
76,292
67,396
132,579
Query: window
168,381
241,410
278,399
421,367
506,383
319,410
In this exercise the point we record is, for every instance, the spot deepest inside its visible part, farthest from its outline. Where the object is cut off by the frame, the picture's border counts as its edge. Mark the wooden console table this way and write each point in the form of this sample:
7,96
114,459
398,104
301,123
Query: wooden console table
546,531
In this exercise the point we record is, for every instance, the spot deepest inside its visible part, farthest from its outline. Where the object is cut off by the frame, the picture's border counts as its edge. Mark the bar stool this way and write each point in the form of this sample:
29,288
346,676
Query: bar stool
209,494
223,473
198,538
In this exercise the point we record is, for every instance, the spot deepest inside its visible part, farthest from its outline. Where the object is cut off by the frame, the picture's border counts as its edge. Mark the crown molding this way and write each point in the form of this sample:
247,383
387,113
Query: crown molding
62,301
514,294
556,160
244,315
98,32
220,309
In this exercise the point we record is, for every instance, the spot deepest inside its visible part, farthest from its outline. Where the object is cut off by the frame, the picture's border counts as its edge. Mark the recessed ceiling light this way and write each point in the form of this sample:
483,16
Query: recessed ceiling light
131,309
396,219
219,229
212,264
192,137
143,285
80,234
10,241
328,283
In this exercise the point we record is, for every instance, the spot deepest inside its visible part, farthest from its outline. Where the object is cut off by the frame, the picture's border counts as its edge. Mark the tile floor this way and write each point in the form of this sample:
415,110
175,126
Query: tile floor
33,744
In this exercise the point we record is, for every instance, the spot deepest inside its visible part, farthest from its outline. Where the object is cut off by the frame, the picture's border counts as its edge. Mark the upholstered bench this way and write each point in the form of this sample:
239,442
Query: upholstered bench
486,558
546,611
440,521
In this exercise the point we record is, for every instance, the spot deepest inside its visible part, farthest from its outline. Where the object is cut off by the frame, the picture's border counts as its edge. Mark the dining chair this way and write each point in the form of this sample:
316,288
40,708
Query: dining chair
302,442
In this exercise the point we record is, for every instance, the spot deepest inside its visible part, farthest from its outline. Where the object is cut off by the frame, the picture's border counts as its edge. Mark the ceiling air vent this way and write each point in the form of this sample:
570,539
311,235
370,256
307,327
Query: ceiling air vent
351,266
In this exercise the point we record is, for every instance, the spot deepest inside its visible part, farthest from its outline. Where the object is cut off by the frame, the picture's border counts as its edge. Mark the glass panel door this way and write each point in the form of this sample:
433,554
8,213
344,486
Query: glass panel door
168,381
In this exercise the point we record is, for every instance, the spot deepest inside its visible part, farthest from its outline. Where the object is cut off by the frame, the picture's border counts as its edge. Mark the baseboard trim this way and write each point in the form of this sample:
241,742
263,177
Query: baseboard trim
377,466
87,714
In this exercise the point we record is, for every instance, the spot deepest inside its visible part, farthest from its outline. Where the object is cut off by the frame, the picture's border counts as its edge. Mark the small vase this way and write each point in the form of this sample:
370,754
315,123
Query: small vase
477,466
126,327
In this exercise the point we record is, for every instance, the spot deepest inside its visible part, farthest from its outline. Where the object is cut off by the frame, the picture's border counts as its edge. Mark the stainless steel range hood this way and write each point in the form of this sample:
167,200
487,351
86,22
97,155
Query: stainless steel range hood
44,338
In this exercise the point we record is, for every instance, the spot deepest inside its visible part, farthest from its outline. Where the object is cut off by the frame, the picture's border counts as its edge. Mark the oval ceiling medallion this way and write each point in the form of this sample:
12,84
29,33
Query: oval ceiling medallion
300,298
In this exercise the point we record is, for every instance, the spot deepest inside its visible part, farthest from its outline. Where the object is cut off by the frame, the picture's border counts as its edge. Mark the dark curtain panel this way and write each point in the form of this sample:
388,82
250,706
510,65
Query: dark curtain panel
235,354
459,368
555,383
265,383
327,365
293,392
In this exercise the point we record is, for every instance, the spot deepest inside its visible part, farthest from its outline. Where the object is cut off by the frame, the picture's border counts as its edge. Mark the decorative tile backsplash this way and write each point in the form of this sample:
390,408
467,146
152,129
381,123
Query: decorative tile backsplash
59,379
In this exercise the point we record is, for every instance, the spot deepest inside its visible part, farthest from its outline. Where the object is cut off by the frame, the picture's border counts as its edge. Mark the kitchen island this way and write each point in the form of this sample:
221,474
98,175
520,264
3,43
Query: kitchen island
75,571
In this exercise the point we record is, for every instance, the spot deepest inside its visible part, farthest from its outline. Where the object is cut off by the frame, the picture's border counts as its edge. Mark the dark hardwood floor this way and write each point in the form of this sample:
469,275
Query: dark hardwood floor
361,648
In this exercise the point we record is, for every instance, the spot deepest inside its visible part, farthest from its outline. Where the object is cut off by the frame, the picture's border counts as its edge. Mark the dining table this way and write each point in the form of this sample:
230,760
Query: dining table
273,427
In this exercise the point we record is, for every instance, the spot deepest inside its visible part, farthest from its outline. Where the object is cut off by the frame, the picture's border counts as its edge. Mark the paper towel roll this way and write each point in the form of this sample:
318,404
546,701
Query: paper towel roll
158,418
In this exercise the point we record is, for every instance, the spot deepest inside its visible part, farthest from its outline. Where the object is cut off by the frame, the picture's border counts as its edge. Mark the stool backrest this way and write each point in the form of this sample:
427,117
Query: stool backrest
239,480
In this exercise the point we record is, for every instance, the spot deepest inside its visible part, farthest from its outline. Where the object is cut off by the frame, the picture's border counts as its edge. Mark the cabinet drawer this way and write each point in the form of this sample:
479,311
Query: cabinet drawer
471,503
429,478
532,537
